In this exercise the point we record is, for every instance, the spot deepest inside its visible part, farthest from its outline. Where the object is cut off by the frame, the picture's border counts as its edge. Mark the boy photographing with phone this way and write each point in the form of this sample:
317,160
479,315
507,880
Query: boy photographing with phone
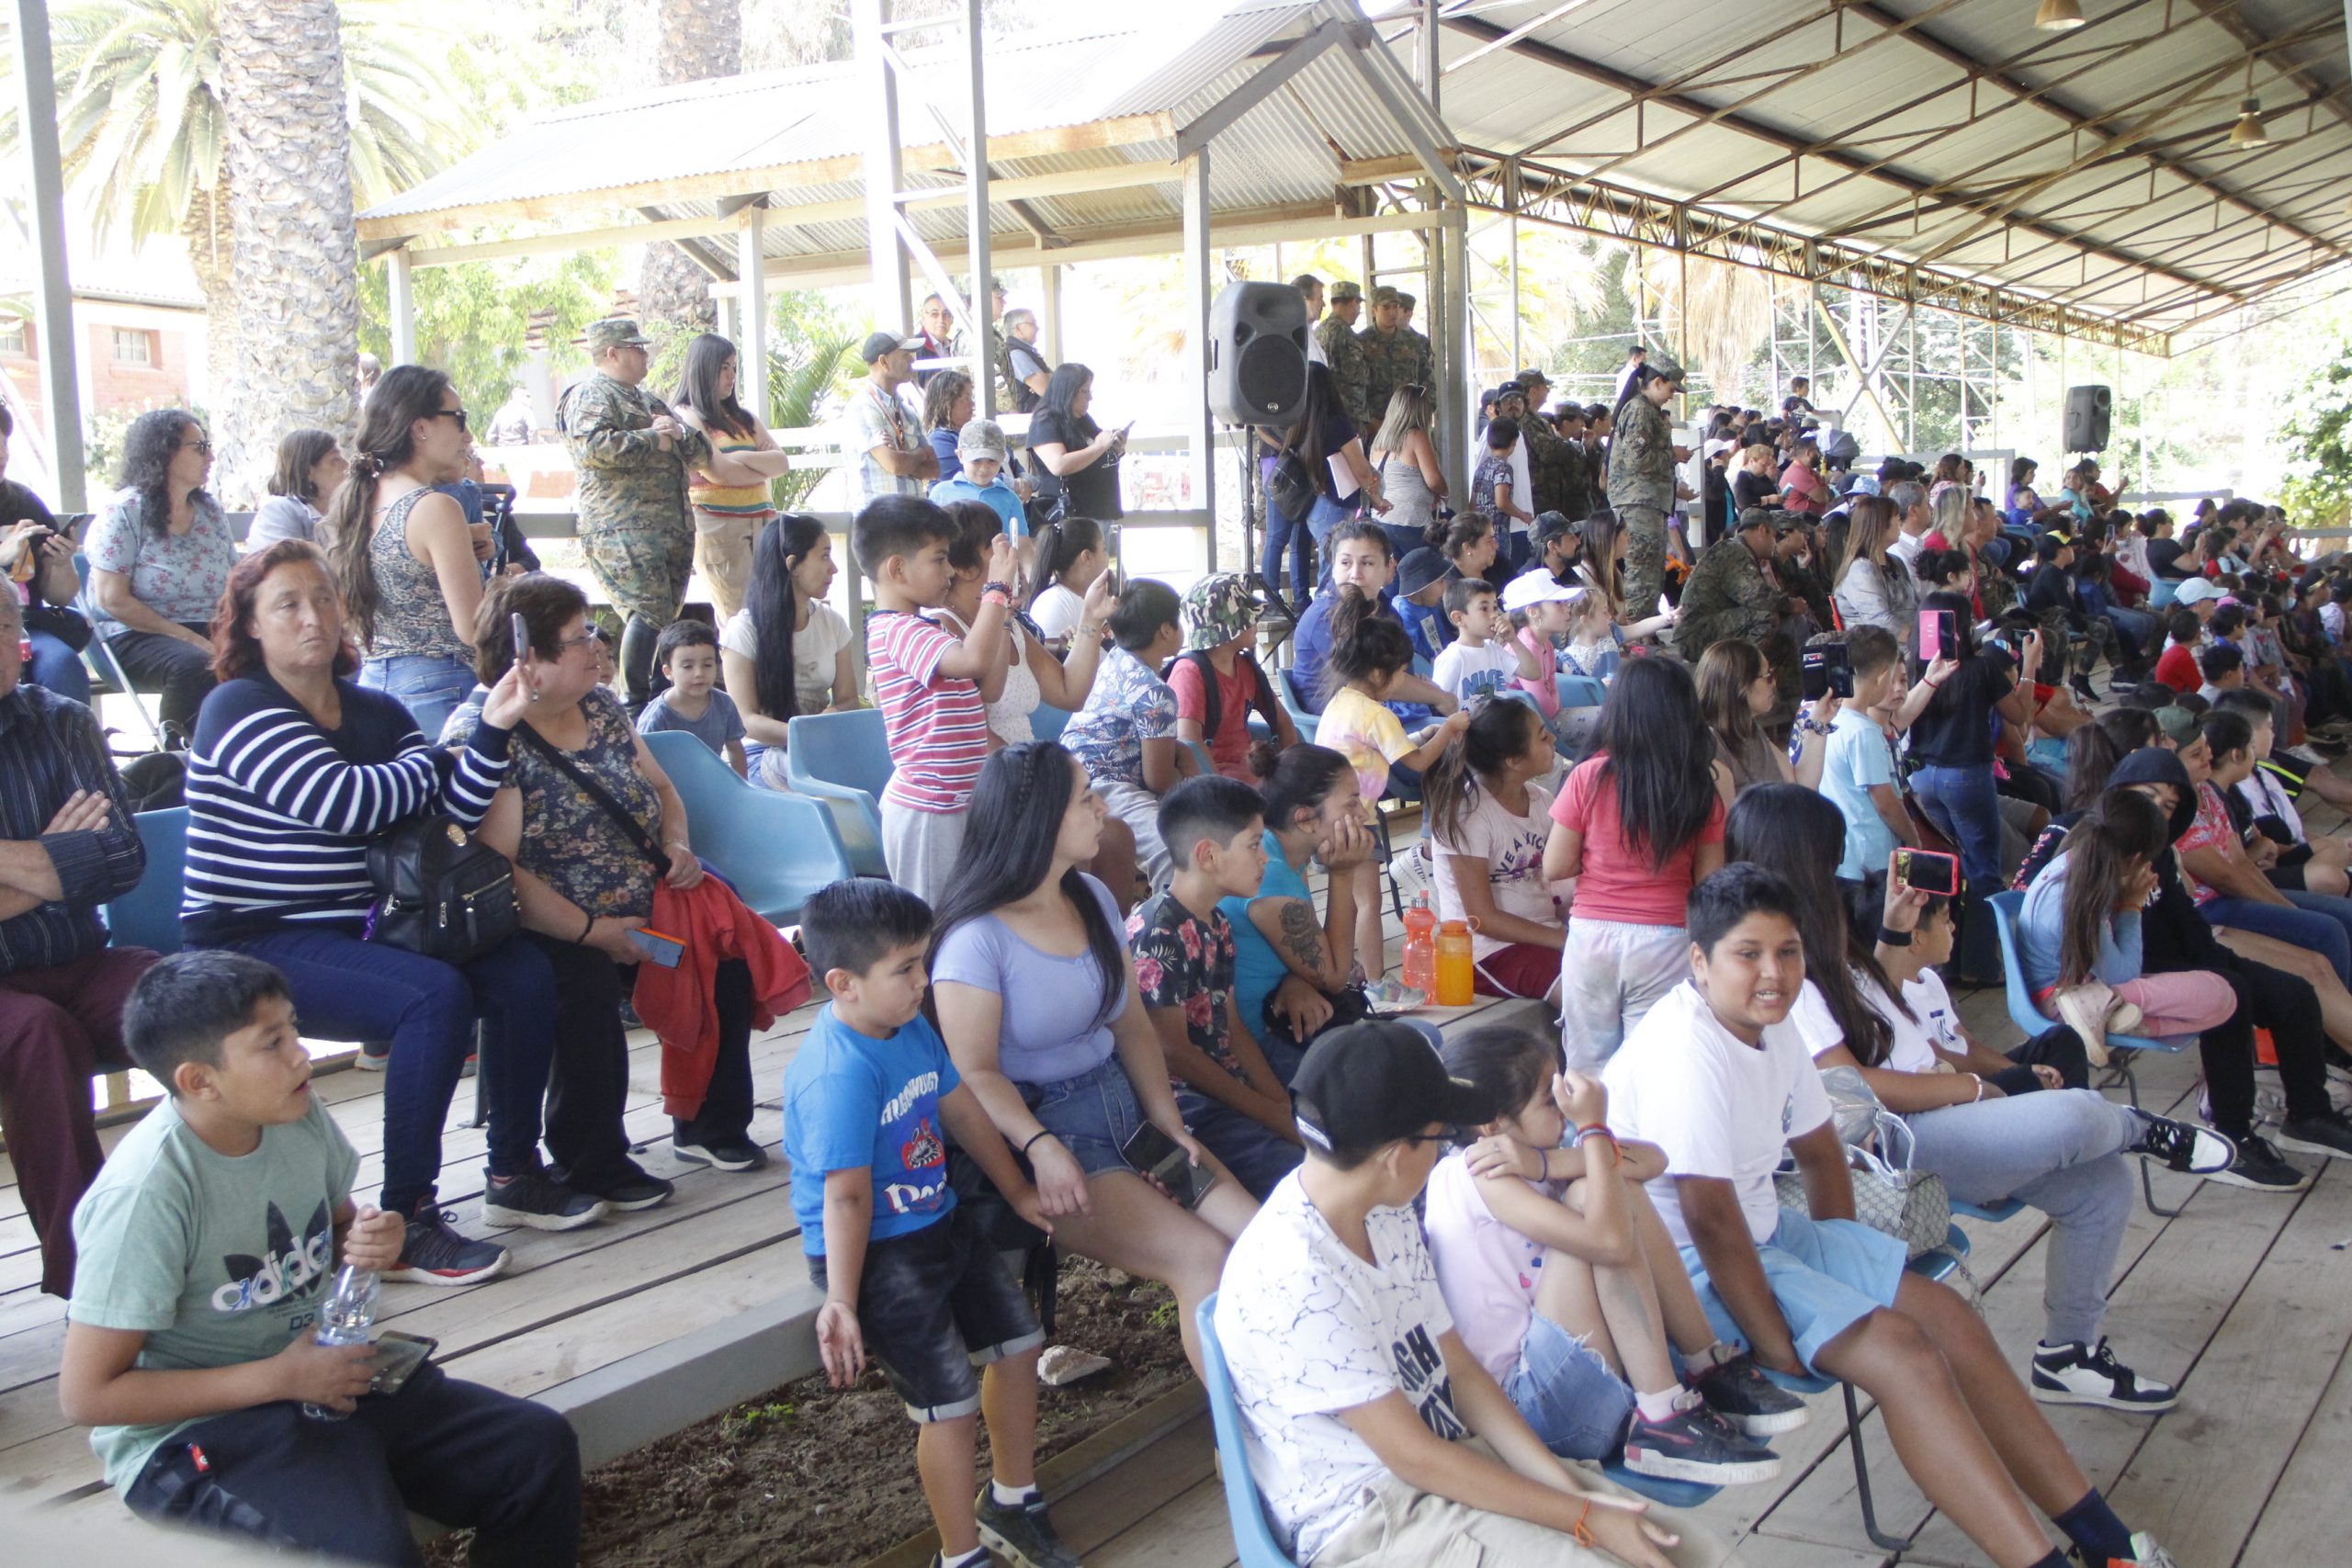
208,1245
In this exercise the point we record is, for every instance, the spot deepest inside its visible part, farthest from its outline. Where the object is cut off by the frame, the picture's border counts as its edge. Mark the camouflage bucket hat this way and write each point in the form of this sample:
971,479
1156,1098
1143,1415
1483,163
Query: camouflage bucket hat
1217,610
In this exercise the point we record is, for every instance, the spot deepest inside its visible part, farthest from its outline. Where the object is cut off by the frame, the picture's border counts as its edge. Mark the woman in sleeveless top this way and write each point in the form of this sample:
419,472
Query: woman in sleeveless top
403,553
1407,458
729,492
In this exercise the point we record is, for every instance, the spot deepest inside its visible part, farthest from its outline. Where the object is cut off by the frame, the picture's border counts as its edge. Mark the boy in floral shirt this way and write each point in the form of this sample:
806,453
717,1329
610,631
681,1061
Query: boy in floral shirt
1126,735
1215,829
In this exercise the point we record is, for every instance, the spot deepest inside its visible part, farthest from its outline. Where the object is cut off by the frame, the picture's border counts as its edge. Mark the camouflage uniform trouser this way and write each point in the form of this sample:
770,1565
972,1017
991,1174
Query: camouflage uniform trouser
2057,636
642,571
1644,559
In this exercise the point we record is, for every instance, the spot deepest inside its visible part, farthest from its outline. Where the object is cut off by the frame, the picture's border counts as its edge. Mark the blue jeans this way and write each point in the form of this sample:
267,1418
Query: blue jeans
1327,515
1965,804
1255,1155
2135,630
345,988
2317,924
430,687
58,668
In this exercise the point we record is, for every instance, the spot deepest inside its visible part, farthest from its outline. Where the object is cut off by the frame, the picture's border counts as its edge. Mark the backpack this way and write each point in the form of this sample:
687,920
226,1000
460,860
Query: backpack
1261,699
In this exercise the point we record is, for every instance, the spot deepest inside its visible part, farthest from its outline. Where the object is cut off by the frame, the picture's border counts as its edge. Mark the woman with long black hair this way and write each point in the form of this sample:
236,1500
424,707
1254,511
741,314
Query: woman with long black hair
1640,823
1949,714
1322,435
786,652
403,553
158,561
730,491
1992,1127
1072,1072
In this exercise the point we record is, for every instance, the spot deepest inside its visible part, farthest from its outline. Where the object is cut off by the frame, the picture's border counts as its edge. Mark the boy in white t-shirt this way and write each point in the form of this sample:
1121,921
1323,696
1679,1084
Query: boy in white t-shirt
1345,1362
1717,1077
1482,659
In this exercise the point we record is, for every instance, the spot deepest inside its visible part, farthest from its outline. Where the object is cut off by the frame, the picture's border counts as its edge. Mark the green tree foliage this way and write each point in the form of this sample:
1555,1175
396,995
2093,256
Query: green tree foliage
2319,435
472,321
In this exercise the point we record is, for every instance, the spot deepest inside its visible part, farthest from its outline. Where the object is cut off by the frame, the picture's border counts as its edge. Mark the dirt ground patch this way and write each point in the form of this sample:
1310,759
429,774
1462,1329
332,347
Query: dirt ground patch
807,1476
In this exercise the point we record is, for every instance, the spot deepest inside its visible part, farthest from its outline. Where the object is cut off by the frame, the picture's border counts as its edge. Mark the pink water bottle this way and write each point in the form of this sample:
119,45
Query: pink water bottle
1419,966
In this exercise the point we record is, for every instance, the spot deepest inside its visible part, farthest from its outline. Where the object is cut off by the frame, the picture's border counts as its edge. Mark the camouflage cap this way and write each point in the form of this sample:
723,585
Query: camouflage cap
1406,299
1383,295
1216,610
615,331
1759,517
1345,290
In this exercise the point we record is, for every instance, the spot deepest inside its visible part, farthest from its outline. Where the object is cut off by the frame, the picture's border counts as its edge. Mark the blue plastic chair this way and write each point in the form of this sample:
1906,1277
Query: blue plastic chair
149,915
1253,1538
2028,1018
1994,1213
1286,694
2162,593
1936,1264
1048,722
106,670
1659,1488
1581,691
776,849
843,759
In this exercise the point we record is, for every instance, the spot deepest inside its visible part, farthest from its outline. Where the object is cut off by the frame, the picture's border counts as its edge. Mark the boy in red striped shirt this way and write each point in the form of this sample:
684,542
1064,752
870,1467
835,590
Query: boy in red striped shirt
933,688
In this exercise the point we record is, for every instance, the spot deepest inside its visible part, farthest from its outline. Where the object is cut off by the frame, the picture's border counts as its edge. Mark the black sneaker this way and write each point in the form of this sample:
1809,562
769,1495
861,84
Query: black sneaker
1022,1534
627,1193
2082,685
1697,1445
722,1153
2185,1147
2089,1374
434,1254
1754,1405
2260,1166
539,1201
2329,1133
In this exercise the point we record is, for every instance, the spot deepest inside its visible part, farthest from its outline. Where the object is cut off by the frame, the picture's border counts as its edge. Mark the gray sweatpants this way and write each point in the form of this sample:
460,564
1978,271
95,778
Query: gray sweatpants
920,847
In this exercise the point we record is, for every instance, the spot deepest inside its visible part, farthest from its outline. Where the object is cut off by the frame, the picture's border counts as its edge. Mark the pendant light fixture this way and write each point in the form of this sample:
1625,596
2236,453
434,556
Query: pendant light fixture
2059,16
2249,131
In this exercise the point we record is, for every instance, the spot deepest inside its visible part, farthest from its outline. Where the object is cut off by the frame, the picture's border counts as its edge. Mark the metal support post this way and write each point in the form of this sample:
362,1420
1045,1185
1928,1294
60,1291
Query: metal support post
1050,327
752,348
400,297
891,294
1192,175
983,326
1455,349
37,114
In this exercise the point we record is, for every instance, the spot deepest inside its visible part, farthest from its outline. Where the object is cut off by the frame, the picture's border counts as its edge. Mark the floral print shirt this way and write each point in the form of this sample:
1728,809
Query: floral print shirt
1183,961
1127,707
570,841
179,576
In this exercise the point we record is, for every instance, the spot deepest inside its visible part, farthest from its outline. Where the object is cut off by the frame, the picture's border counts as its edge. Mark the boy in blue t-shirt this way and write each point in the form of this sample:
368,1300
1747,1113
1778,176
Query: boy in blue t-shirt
870,1104
208,1243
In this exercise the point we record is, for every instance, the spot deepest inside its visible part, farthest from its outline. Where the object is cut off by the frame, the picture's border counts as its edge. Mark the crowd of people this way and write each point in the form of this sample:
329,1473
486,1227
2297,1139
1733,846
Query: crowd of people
1101,993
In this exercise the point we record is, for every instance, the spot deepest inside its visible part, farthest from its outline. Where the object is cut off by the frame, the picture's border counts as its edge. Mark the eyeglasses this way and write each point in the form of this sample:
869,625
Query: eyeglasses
458,414
589,639
198,445
1451,1134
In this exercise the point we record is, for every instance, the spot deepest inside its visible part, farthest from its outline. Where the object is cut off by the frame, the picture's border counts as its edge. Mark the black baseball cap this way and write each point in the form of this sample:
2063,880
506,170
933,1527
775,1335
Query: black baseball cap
1550,525
1372,1083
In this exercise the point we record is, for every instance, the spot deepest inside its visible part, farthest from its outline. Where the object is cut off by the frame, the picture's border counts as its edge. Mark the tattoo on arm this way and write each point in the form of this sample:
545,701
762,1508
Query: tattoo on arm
1302,938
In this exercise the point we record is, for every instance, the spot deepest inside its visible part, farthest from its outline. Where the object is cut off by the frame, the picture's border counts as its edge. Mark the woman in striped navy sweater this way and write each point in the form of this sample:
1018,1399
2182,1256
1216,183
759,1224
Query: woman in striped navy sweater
294,769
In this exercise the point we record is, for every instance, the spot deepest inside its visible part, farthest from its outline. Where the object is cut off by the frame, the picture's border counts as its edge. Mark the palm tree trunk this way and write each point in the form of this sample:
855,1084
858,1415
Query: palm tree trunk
699,39
297,253
212,254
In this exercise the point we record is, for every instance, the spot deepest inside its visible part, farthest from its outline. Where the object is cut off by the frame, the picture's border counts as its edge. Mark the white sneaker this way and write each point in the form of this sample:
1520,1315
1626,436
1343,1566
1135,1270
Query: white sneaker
2084,1009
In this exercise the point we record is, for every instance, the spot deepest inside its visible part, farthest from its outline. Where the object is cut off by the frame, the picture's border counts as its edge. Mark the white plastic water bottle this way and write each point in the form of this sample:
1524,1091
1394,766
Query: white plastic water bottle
346,1319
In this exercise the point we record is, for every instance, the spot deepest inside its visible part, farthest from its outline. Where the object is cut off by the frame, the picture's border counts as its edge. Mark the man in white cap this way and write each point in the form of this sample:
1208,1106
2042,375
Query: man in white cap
893,457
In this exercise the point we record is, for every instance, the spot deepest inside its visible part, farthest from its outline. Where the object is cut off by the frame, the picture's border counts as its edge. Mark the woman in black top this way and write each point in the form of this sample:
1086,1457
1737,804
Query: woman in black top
1949,715
1077,461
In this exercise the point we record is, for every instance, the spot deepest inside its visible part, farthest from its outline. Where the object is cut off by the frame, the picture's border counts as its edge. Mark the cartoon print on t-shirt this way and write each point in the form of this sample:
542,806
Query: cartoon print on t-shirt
922,1187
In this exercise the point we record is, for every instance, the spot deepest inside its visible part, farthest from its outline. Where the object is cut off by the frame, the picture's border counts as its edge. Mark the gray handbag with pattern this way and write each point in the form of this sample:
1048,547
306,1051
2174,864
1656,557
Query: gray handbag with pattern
1912,1206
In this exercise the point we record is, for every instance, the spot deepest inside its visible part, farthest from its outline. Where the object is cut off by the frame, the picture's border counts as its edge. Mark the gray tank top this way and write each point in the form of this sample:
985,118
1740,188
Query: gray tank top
412,618
1411,504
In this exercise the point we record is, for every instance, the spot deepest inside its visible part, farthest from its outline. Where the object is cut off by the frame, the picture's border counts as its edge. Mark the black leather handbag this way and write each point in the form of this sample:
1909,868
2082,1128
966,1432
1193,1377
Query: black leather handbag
440,892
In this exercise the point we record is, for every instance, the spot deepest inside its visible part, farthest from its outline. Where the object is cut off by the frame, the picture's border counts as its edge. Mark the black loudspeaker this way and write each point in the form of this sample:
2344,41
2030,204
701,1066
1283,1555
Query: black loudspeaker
2086,415
1257,359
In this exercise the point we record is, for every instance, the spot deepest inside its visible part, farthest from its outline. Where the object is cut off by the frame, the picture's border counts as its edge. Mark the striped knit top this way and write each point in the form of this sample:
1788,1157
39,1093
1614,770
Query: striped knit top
280,808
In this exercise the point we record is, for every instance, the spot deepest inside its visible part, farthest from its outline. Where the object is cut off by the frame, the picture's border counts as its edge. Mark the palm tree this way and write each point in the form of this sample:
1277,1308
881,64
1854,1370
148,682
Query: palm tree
699,39
297,254
139,124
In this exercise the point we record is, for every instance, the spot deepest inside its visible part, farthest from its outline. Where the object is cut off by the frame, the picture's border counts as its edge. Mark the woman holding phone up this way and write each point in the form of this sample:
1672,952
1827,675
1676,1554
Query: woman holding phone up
1949,713
586,887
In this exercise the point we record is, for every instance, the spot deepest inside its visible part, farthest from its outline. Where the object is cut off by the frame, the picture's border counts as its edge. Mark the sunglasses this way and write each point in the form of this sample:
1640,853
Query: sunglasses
458,414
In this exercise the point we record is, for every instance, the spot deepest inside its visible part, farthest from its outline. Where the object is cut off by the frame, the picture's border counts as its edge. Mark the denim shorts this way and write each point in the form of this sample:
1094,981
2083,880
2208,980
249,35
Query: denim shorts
1094,1114
1568,1394
1827,1276
934,1304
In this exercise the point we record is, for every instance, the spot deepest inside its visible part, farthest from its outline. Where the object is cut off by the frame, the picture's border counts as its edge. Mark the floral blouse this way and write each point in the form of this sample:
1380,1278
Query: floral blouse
179,576
570,841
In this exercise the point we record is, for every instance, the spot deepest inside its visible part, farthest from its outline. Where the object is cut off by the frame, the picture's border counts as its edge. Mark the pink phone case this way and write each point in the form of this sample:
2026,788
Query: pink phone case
1931,642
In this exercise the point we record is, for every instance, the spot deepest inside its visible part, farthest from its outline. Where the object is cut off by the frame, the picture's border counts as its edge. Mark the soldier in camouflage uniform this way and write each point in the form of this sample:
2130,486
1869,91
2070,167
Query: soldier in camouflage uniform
637,528
1391,359
1641,483
1344,355
1552,470
1405,303
1731,594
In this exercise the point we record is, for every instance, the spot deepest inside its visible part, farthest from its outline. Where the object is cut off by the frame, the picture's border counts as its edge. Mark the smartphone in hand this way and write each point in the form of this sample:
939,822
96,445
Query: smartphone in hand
522,633
1156,1154
666,951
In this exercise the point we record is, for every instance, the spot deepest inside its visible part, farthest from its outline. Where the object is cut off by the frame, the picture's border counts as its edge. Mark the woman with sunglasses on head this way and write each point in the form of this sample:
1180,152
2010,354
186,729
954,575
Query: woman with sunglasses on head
159,560
402,552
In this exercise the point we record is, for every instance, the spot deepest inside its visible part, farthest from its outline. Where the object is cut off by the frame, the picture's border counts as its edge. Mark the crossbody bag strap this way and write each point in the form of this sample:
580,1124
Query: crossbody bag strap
645,841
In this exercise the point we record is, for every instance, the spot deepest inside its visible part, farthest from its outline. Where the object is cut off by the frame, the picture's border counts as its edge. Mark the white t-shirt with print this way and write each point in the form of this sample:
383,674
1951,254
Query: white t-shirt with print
1909,1051
1464,672
816,649
1512,848
1310,1329
1939,1018
1718,1106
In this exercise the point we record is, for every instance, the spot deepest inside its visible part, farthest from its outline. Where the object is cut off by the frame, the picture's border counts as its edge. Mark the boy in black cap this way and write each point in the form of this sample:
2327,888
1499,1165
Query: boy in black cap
1345,1361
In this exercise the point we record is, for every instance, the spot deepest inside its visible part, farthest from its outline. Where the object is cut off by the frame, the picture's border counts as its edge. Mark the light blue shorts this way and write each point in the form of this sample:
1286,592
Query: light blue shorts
1827,1276
1568,1394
